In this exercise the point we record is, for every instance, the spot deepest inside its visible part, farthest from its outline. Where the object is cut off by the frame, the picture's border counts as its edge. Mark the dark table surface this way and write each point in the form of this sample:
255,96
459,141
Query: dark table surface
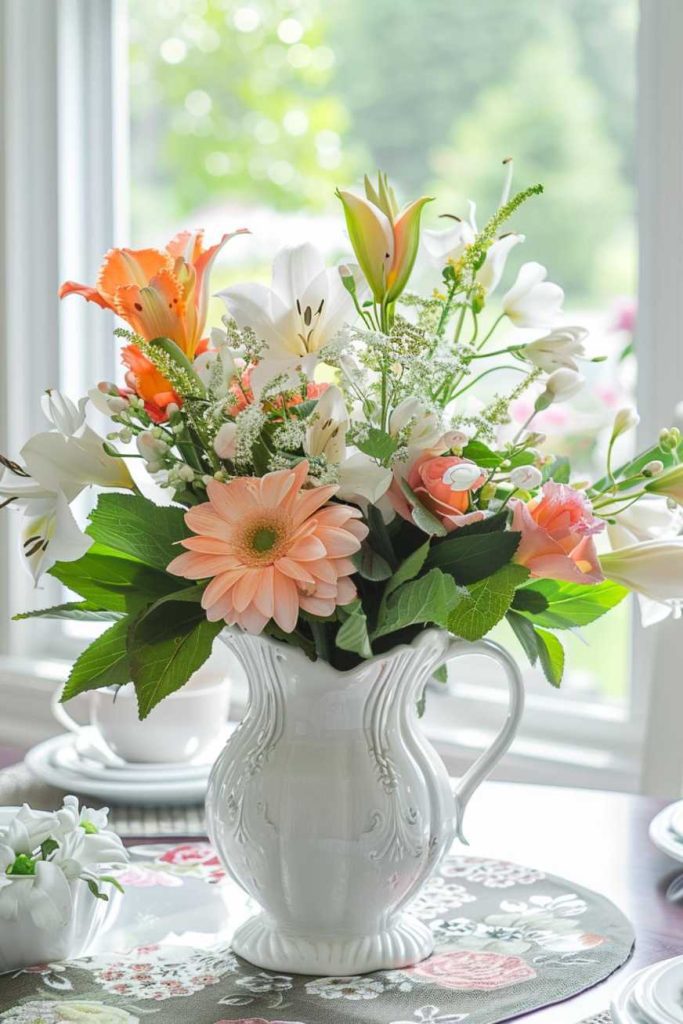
597,839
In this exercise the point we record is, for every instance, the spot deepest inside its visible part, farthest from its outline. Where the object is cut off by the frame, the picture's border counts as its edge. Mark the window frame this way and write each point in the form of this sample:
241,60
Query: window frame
74,88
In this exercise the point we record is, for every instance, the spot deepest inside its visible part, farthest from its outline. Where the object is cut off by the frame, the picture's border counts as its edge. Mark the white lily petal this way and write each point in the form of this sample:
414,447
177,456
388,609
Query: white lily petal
294,267
494,265
532,301
52,536
363,479
62,412
326,434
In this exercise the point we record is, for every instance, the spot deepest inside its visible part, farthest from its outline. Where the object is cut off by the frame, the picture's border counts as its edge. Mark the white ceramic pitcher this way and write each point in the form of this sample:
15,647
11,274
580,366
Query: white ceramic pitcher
331,808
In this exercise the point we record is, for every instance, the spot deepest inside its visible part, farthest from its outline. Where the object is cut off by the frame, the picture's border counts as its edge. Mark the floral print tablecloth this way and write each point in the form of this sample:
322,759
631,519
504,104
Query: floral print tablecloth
508,939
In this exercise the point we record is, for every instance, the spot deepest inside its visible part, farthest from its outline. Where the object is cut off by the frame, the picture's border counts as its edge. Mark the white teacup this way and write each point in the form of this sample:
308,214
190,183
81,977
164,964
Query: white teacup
189,725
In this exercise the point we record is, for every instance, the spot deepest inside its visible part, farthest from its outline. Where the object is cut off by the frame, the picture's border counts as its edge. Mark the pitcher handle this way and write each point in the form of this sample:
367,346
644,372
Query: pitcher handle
489,758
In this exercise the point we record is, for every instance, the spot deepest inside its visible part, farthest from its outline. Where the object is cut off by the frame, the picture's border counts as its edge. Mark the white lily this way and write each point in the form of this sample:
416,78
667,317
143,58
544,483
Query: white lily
450,244
326,434
649,519
561,348
71,816
362,480
57,466
652,569
532,301
425,430
44,896
302,311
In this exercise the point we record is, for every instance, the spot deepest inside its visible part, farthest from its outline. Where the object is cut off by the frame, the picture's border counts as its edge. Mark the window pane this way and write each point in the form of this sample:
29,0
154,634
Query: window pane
250,112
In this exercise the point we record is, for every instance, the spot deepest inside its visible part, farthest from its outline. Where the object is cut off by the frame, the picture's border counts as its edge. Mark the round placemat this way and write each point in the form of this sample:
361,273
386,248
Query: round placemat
509,939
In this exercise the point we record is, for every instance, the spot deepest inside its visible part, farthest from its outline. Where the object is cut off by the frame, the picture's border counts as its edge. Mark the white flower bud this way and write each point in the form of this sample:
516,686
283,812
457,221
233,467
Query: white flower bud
117,404
172,409
559,387
653,468
462,476
224,442
626,419
186,473
526,478
455,439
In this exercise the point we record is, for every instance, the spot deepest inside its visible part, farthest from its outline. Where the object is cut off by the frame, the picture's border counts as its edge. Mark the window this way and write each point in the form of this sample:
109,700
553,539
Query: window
223,113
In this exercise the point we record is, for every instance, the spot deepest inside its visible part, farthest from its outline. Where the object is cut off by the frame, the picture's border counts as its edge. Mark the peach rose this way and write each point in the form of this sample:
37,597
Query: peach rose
436,486
557,535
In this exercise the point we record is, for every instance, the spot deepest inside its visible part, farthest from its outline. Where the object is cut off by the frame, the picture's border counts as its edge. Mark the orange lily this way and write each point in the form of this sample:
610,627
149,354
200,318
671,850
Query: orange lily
384,238
159,292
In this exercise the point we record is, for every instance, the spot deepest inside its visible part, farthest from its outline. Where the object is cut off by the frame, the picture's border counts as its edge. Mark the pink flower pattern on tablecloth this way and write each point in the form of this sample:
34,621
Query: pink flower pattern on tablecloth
473,972
198,856
492,874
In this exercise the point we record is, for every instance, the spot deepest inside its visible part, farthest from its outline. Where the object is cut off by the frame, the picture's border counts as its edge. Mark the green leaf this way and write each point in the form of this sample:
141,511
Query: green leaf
408,569
487,602
112,881
430,599
551,654
528,599
559,470
525,633
94,889
116,584
167,647
134,525
370,565
47,847
377,444
482,455
422,516
378,537
104,663
474,557
352,635
490,524
570,604
83,611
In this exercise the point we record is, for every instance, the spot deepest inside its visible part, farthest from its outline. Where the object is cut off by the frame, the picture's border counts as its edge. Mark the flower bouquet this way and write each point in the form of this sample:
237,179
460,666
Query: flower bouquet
336,482
52,865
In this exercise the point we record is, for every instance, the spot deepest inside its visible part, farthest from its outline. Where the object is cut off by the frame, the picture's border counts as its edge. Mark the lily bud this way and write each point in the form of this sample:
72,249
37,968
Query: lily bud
224,441
384,240
669,485
670,439
625,420
559,387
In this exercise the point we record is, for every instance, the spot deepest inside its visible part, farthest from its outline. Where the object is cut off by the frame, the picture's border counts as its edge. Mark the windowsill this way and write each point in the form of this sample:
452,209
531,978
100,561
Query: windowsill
538,755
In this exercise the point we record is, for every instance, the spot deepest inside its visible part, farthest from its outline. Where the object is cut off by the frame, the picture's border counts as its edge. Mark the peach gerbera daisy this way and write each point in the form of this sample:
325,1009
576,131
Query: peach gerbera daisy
271,549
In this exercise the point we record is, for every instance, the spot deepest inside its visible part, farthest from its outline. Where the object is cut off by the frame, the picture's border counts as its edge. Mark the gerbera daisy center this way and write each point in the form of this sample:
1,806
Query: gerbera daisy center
263,539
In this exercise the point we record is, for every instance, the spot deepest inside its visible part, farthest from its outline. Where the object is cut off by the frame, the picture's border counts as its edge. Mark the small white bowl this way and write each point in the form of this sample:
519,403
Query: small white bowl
23,944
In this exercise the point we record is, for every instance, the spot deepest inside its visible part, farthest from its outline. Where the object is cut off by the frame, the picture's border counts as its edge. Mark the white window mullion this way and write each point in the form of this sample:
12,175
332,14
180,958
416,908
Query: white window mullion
658,652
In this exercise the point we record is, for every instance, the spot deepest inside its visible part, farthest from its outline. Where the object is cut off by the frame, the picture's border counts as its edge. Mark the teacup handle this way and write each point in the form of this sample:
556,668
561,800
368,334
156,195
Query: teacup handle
487,761
62,715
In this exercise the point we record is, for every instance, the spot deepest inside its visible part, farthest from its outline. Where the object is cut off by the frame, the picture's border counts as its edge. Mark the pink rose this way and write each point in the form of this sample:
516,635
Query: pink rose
428,477
474,972
557,535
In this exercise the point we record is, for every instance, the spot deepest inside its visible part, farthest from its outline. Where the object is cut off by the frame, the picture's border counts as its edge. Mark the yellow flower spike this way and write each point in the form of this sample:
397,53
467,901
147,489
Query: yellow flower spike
384,240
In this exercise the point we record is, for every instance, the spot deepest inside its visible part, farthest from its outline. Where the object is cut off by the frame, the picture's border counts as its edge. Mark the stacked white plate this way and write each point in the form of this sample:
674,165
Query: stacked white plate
652,996
78,764
666,831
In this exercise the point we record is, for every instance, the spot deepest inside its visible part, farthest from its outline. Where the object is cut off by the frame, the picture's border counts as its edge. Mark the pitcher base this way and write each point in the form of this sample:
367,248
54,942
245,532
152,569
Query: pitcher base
260,942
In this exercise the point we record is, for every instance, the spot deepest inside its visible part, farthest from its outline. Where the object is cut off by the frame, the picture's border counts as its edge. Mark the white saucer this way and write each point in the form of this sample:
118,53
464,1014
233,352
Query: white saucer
70,758
623,1008
662,833
46,762
90,747
659,992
